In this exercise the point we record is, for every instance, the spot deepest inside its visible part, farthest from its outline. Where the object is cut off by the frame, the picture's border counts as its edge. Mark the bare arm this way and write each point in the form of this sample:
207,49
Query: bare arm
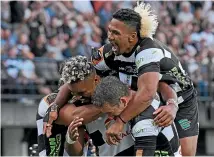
70,111
76,149
165,115
63,96
147,87
75,138
166,91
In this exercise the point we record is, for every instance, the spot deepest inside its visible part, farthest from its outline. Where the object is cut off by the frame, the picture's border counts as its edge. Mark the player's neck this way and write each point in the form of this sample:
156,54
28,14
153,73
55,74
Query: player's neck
132,48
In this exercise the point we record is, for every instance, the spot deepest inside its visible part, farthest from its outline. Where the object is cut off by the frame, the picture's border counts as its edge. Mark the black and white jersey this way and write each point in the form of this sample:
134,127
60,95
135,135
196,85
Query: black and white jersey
149,55
54,145
97,129
163,140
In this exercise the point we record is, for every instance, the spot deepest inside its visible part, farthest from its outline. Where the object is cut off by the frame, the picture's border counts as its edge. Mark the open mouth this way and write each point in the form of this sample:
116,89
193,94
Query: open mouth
115,48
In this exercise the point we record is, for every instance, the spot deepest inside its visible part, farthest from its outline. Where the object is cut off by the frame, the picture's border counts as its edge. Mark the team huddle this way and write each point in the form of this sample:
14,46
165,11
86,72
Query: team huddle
132,98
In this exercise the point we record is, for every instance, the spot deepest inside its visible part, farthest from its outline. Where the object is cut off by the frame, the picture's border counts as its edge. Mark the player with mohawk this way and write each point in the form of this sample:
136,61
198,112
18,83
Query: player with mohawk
143,62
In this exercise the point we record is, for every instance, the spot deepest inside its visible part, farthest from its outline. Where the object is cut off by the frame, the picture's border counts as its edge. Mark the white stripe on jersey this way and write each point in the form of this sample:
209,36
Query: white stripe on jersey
125,78
155,103
105,149
39,124
43,106
148,56
167,54
145,127
168,132
42,153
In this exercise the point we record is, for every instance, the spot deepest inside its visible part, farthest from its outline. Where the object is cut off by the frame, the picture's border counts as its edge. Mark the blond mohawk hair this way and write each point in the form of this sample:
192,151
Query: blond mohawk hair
149,21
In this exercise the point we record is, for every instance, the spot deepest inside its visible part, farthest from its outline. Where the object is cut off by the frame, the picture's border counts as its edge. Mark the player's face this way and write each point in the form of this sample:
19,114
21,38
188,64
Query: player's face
84,88
119,35
115,110
112,110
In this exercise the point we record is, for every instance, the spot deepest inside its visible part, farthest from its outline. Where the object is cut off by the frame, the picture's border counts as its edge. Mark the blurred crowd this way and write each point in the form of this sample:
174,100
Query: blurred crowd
37,35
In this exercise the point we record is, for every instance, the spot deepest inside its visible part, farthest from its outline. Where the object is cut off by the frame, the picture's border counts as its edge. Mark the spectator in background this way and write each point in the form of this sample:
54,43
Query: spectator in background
210,15
71,50
207,34
17,11
83,48
79,30
8,38
66,28
38,21
105,14
28,77
161,37
95,40
54,27
185,15
175,44
53,49
5,12
39,47
23,44
12,64
84,7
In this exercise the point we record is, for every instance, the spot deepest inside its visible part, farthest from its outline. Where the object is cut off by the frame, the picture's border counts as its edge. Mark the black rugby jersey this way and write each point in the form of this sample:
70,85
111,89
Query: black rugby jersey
149,55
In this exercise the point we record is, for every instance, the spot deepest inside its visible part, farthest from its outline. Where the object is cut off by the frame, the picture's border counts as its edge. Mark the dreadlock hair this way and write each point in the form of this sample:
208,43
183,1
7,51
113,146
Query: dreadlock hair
76,69
141,18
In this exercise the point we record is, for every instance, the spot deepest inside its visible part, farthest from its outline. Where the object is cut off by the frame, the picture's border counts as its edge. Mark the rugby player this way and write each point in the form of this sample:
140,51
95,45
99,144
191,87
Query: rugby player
142,62
84,86
112,96
82,80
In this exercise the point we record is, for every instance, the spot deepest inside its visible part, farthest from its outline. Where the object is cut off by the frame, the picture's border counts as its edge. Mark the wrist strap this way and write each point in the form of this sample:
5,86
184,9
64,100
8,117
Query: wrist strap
121,119
172,101
68,139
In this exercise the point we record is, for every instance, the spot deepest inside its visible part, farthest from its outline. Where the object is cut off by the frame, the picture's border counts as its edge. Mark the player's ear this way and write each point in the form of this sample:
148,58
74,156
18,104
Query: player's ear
124,101
97,79
132,36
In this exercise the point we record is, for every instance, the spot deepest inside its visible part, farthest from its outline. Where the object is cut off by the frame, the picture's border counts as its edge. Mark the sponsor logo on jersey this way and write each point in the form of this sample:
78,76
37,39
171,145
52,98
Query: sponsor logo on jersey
128,69
161,153
139,61
55,144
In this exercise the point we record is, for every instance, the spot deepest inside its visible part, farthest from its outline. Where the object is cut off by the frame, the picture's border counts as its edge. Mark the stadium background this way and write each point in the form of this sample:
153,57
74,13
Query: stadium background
37,36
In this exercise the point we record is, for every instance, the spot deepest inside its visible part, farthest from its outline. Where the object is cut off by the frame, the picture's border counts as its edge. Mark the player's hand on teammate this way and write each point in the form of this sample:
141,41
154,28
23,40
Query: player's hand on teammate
50,116
73,128
165,115
114,133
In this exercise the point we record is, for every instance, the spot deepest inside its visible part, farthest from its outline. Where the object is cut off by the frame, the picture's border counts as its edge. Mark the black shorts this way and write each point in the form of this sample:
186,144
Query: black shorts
187,118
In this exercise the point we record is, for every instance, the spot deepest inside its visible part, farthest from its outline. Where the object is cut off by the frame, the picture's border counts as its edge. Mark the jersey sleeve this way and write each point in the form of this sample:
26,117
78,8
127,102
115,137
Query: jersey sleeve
103,61
148,60
98,59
